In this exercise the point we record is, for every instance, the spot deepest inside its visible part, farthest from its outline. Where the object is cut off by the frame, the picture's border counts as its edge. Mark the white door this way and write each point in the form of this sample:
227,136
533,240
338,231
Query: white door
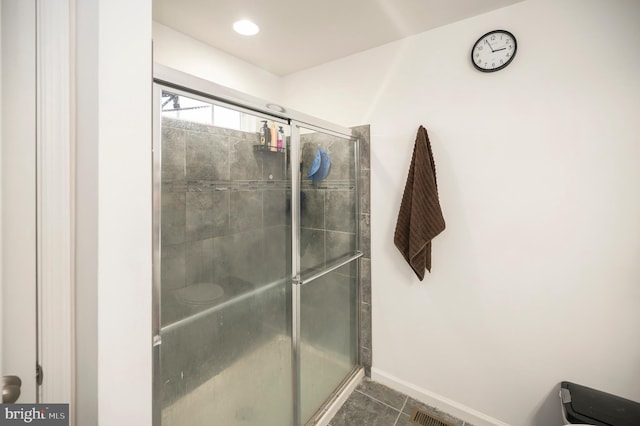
18,194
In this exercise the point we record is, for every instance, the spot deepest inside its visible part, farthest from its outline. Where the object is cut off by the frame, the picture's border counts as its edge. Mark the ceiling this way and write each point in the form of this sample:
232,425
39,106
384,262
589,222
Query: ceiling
299,34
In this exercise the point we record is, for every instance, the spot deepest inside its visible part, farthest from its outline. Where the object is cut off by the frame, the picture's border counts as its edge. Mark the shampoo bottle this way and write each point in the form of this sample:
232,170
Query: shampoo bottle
280,139
264,133
274,137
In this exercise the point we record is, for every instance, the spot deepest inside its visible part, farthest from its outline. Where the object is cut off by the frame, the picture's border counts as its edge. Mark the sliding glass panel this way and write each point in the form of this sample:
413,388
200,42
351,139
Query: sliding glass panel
225,356
329,336
328,224
328,234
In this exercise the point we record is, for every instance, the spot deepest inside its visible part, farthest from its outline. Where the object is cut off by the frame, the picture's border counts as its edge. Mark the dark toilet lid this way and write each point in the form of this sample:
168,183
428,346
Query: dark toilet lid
587,405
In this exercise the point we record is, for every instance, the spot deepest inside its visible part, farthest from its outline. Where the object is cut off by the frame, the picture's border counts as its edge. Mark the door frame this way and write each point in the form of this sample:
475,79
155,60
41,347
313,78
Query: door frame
52,28
55,112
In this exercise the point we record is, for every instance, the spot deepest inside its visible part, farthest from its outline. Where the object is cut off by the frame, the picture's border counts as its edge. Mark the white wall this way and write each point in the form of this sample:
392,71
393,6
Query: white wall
86,218
114,379
535,279
124,216
179,51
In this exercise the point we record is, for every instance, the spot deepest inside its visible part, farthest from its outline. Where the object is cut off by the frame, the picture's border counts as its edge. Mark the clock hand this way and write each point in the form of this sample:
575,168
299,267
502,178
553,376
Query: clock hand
497,50
487,41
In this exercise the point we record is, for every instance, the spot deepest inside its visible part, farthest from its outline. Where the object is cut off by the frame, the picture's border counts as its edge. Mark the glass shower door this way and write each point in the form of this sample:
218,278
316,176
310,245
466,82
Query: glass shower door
255,263
328,290
223,276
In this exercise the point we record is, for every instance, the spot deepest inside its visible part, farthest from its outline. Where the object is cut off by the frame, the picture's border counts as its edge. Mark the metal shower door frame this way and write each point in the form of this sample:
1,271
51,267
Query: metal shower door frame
189,85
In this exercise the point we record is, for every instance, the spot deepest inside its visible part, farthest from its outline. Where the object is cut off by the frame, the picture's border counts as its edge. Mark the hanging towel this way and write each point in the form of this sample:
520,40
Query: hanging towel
420,217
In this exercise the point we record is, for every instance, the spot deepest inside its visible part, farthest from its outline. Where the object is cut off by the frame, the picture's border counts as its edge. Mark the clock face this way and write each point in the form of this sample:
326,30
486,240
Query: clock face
494,51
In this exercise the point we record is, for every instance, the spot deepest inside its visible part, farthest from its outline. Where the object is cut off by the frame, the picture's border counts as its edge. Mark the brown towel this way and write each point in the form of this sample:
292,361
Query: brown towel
420,218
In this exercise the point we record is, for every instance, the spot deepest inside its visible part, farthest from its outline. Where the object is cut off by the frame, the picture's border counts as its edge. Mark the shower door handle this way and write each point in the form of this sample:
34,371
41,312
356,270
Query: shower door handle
10,389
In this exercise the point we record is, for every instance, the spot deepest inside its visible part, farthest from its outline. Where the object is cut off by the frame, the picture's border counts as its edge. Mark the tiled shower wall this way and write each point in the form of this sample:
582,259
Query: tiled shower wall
223,201
363,133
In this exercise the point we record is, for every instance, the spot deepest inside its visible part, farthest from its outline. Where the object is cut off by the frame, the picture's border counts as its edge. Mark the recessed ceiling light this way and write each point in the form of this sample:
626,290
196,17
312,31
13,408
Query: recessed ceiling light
276,107
245,27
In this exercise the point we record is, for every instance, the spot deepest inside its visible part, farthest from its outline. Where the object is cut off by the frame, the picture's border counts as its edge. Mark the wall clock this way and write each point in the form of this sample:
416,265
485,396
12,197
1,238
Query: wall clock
494,51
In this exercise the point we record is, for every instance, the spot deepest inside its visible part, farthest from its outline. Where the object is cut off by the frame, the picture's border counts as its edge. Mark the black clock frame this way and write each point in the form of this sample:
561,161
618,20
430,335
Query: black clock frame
515,50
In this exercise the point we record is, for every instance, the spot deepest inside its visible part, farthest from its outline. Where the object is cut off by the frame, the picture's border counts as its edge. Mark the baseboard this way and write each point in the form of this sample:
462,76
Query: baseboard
453,408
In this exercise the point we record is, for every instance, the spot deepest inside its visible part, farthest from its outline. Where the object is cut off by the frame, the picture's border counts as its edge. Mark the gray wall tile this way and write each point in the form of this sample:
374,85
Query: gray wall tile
199,215
365,191
240,255
246,210
221,212
365,321
276,259
207,156
348,270
274,166
365,359
246,164
311,248
275,211
199,262
365,235
207,214
327,311
341,152
340,210
173,216
173,267
363,133
339,244
312,208
173,154
365,280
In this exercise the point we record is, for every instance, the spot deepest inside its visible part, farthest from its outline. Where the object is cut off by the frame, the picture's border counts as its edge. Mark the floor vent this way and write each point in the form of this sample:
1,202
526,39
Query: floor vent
422,418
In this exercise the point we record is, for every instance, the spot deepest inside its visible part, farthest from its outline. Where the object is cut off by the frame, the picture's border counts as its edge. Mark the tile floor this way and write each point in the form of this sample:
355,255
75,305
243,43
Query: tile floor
373,404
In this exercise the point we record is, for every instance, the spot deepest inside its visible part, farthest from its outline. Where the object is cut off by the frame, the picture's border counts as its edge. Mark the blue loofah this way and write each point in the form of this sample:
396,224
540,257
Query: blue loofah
325,165
315,165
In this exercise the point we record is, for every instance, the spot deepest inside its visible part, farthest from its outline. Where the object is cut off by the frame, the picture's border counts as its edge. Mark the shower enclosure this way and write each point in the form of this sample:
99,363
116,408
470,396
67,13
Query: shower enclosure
256,264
